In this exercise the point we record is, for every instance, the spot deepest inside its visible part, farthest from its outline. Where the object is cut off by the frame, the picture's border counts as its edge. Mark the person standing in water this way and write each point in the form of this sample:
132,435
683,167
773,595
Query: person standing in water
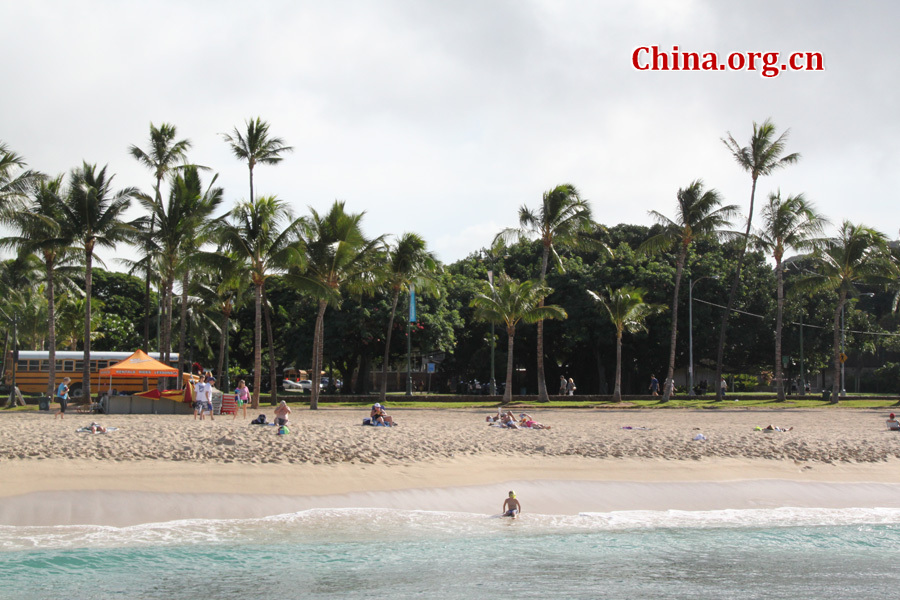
511,506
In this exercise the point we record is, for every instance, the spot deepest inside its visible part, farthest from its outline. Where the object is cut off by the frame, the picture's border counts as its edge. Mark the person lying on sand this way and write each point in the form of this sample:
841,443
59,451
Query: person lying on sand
776,428
509,420
525,420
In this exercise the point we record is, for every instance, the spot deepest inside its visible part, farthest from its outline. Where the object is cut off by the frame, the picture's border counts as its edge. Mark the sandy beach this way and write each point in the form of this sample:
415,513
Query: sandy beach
163,467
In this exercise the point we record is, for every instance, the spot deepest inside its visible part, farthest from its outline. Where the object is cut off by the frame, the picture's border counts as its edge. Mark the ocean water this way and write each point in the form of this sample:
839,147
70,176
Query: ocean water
379,553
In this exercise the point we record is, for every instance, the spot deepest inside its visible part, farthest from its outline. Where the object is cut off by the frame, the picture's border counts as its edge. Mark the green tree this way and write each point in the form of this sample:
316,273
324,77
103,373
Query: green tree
763,156
789,223
337,256
41,232
700,215
162,156
255,146
14,185
509,303
857,255
628,312
93,215
563,220
407,263
263,235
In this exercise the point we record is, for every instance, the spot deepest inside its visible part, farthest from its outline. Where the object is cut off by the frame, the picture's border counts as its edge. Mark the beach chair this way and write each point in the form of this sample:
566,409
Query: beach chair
893,425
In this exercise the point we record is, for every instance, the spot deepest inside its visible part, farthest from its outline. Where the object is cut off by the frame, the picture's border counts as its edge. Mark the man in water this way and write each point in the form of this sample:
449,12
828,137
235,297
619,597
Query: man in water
511,506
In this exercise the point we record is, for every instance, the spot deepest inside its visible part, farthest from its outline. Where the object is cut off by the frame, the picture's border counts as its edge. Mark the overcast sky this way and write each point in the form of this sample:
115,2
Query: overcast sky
443,118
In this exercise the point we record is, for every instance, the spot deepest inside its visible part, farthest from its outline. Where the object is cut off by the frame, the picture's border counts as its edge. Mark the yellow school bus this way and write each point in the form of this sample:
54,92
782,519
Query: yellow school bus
33,367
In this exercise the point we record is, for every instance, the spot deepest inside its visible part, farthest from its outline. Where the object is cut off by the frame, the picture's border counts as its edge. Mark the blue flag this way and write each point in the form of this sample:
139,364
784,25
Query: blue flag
412,304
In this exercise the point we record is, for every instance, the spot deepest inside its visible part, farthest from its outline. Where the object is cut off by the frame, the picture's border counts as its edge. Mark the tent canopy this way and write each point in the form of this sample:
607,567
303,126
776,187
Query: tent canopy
139,365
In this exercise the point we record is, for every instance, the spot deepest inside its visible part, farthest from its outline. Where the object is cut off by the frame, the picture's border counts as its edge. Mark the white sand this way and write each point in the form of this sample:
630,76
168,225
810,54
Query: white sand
154,467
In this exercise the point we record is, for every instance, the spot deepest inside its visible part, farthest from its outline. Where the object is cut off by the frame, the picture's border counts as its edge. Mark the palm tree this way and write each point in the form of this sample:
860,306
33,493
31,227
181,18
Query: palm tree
791,223
857,255
627,311
563,220
92,213
224,287
263,235
762,157
255,146
337,257
14,185
41,231
406,263
200,207
508,304
161,157
700,215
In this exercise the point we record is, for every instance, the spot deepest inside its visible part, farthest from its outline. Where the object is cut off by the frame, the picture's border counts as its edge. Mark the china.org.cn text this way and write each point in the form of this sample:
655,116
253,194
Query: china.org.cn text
768,64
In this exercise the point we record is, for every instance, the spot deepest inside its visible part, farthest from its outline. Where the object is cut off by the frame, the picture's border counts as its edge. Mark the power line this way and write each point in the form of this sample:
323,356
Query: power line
743,312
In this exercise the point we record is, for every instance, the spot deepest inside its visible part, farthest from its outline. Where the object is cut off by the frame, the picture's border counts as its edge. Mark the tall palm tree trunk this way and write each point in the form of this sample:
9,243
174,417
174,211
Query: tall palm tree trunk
720,354
541,380
182,327
507,393
223,343
257,345
617,391
318,351
836,386
51,328
779,324
86,369
669,384
387,344
273,376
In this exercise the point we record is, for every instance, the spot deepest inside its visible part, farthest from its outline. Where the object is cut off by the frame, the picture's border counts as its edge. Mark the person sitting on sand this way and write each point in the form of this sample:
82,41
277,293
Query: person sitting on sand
379,417
511,506
281,414
892,423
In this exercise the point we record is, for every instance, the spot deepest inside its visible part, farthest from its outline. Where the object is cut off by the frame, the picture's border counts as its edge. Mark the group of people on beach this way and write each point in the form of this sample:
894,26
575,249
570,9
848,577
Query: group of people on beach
508,419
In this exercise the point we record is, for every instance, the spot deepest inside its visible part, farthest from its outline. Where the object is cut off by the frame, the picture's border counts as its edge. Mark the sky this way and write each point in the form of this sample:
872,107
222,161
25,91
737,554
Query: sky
444,118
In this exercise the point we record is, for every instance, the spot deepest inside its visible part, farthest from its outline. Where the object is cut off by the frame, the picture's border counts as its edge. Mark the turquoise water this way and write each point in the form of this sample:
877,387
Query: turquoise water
378,553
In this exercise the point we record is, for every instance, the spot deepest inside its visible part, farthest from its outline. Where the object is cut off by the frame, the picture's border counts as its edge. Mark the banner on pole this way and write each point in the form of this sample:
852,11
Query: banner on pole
412,304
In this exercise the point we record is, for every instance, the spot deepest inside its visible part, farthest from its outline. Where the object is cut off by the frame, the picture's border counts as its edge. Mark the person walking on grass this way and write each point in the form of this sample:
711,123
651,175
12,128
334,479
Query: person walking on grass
62,396
654,385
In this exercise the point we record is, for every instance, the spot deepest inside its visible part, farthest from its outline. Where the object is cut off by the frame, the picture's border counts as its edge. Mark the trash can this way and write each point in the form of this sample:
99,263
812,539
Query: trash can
826,394
44,403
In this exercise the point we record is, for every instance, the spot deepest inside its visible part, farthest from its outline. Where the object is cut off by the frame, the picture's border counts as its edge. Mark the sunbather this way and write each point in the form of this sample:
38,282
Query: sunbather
525,420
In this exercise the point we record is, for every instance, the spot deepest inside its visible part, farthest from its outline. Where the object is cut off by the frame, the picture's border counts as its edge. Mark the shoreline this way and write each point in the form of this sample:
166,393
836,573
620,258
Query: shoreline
55,492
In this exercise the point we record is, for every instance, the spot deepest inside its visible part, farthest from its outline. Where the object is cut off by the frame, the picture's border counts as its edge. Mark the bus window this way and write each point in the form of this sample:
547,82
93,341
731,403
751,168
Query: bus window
79,366
59,366
45,366
34,365
23,365
101,364
68,366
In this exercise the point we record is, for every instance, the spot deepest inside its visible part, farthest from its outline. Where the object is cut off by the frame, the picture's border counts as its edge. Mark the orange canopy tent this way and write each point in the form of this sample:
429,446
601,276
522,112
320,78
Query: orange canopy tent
140,364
